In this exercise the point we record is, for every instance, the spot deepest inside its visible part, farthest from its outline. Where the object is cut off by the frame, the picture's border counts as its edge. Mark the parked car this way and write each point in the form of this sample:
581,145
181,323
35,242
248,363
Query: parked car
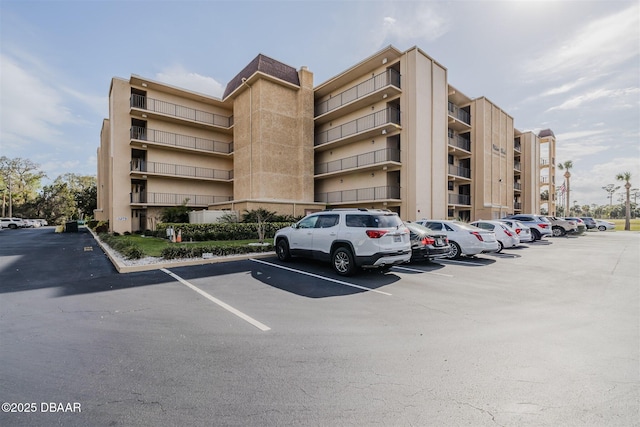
560,227
582,227
464,239
42,222
505,235
427,244
523,231
12,223
589,222
348,238
540,225
605,225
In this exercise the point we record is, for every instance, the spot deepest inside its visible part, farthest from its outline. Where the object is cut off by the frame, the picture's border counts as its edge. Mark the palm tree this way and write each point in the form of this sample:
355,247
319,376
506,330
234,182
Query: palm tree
566,166
626,176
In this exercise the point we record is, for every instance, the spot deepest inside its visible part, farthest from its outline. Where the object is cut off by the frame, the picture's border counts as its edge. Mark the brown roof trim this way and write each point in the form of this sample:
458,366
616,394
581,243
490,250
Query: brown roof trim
266,65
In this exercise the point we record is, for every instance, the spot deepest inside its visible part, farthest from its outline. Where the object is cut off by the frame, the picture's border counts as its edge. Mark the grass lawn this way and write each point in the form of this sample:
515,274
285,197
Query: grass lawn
153,246
635,224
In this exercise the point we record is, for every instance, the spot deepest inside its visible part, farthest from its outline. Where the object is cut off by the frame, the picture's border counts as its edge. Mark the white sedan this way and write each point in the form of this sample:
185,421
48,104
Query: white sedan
604,225
523,231
464,239
505,235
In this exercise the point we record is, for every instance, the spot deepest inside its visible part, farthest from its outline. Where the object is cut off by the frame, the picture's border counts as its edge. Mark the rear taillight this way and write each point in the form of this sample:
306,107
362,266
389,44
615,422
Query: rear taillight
542,225
376,234
475,233
518,230
428,241
508,233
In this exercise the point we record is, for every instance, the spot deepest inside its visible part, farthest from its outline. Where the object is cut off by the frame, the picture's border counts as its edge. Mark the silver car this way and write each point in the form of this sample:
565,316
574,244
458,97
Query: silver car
464,239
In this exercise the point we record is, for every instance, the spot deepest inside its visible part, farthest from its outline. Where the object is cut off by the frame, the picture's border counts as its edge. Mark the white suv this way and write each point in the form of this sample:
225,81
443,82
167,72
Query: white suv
348,238
12,223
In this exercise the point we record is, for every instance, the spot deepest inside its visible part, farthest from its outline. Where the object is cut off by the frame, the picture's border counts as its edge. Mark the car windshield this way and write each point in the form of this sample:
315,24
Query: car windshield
418,229
465,226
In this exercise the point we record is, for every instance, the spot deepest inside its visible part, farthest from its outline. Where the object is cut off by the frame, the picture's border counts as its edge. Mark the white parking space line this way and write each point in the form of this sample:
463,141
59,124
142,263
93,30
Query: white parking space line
415,270
224,305
459,262
340,282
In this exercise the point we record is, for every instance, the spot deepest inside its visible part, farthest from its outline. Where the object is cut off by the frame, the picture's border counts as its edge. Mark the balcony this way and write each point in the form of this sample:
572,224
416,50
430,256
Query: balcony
517,206
517,147
517,186
358,96
181,171
165,110
171,199
459,171
359,195
377,157
544,163
517,166
457,142
361,128
460,120
181,142
460,199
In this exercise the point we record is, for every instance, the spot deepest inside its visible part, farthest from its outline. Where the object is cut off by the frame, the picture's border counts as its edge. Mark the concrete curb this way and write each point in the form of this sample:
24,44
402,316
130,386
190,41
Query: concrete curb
123,268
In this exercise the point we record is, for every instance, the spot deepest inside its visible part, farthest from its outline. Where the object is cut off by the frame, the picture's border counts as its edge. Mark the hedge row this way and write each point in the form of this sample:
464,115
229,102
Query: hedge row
191,251
219,231
124,246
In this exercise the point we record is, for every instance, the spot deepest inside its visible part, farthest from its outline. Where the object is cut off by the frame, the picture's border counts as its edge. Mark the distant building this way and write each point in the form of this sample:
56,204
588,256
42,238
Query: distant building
389,132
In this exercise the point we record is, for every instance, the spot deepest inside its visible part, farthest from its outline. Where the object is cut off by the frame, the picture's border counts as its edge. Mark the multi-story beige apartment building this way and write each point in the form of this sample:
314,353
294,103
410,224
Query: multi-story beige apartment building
390,132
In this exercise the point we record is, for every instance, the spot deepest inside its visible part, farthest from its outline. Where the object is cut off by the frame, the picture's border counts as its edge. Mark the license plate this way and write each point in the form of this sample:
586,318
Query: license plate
438,242
397,239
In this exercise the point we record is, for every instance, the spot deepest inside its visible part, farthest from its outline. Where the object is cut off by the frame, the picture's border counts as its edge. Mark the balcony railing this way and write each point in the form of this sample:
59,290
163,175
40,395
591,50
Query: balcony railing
460,142
517,186
517,166
359,194
544,162
370,158
459,199
389,77
371,121
181,141
459,113
171,199
517,205
143,166
175,110
517,146
459,171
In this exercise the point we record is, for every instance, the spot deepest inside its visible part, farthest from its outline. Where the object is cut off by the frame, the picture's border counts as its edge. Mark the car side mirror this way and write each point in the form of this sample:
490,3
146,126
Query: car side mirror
294,225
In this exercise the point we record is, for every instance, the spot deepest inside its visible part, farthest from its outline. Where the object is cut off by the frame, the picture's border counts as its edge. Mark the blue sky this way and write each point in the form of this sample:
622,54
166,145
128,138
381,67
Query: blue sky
571,66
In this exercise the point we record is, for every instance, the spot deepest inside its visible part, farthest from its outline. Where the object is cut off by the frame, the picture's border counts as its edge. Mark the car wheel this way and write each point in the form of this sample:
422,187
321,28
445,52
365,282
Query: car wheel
500,247
13,226
602,228
282,250
342,261
536,234
558,231
454,252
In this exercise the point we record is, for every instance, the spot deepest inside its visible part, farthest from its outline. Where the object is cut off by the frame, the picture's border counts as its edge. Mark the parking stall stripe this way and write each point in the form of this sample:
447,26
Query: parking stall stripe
340,282
415,270
222,304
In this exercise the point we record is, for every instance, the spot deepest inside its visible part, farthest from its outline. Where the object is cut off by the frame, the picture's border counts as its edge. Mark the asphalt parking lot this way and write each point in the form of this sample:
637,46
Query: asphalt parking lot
547,334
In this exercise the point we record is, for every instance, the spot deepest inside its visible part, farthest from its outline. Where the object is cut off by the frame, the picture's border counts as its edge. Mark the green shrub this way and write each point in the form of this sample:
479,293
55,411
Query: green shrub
124,246
220,231
194,251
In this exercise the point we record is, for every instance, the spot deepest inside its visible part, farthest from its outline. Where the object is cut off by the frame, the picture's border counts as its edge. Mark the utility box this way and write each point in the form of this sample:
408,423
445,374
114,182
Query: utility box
71,227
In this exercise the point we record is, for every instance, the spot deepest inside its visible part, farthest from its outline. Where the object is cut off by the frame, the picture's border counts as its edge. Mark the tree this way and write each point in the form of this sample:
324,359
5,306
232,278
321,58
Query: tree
176,214
19,180
610,188
626,176
566,166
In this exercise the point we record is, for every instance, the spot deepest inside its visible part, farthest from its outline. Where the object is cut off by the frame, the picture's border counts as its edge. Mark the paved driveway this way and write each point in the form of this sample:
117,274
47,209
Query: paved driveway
543,335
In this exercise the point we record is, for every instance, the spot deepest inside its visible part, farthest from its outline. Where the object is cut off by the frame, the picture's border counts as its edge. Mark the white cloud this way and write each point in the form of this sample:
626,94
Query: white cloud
31,110
178,76
603,44
414,22
587,185
617,95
